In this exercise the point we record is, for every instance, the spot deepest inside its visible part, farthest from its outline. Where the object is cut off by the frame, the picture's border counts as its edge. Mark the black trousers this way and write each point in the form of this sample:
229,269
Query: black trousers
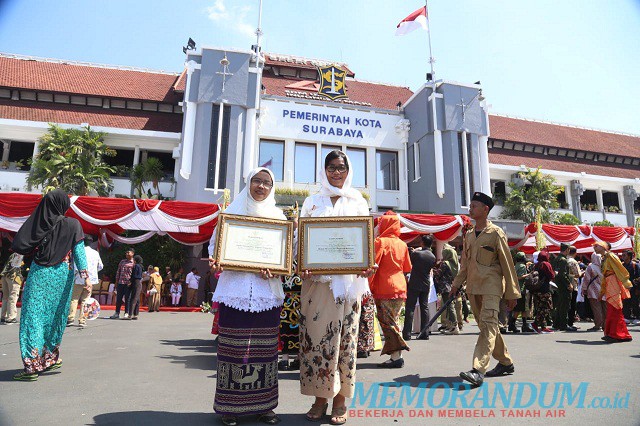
562,303
133,298
414,296
122,291
572,308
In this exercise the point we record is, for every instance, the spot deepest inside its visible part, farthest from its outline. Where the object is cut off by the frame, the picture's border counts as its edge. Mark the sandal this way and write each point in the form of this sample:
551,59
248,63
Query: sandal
229,420
269,418
25,377
54,366
317,412
338,415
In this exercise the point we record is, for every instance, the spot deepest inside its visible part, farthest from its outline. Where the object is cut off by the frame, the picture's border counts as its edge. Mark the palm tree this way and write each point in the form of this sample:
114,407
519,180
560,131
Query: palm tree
73,160
535,192
150,170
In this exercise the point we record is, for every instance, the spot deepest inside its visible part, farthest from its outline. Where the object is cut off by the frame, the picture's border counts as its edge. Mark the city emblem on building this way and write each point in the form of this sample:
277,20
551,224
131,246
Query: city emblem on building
332,82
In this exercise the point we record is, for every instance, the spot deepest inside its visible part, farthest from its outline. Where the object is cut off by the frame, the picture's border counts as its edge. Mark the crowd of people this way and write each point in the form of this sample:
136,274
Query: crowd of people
326,322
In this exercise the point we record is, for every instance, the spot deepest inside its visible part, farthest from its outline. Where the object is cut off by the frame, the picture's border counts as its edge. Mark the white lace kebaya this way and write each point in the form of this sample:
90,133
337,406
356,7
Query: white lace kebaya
248,291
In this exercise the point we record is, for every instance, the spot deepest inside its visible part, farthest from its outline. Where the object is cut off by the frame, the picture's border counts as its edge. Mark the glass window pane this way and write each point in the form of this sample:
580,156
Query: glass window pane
387,168
305,163
358,158
272,157
326,149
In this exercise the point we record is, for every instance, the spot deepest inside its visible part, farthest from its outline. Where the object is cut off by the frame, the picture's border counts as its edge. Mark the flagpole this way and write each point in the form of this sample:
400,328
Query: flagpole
431,59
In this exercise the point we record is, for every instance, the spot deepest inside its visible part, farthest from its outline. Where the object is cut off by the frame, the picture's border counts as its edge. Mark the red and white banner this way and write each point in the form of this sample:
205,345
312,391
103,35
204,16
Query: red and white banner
443,227
580,236
185,222
417,19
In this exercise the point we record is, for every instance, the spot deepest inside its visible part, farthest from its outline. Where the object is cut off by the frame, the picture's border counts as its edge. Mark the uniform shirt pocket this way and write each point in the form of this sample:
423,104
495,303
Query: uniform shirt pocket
486,255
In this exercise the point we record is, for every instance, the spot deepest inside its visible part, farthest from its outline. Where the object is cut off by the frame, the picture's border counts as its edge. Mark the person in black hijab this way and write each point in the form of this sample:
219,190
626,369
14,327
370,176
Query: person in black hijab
54,241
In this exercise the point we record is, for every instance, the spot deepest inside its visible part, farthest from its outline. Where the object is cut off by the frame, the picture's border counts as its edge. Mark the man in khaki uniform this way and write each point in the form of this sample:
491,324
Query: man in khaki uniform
11,281
488,272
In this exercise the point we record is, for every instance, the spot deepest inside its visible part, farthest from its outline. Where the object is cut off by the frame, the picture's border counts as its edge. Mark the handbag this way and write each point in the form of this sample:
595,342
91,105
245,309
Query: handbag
532,282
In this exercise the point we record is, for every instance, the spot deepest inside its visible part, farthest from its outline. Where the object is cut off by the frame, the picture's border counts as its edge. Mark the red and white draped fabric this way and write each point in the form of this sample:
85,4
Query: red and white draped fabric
580,236
443,227
186,222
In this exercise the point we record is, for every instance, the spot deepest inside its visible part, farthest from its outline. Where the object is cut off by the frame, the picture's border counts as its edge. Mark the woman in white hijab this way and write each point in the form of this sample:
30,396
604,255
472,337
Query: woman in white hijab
250,304
330,305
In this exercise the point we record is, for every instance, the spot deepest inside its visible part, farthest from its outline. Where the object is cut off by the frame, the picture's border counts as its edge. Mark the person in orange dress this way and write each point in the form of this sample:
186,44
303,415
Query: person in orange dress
615,287
389,286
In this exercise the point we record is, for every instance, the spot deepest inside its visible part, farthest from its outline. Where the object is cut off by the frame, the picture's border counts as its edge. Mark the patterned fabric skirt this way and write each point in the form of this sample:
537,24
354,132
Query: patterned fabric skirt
289,323
388,315
366,329
247,379
543,307
43,318
328,342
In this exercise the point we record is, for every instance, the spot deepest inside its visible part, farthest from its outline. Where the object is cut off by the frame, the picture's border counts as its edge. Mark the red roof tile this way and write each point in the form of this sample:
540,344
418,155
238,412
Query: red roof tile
73,114
89,80
378,95
513,158
274,59
562,136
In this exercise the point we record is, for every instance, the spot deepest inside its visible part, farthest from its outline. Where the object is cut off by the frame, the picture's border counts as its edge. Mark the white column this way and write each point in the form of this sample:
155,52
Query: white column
288,162
36,149
465,166
250,143
216,181
372,177
437,144
188,136
6,146
485,177
136,155
402,128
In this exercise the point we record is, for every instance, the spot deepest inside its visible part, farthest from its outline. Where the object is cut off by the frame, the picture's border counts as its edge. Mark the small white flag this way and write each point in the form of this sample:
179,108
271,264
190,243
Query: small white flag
417,19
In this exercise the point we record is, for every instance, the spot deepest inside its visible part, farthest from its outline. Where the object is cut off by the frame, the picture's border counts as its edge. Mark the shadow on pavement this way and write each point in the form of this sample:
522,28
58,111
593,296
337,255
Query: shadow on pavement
204,360
153,418
634,356
198,345
7,375
414,380
585,342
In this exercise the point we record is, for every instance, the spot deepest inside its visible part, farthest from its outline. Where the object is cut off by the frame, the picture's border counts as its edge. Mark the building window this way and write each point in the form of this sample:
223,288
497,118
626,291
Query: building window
123,161
611,202
168,163
561,198
20,152
387,171
326,149
272,157
636,206
305,163
213,148
499,191
358,158
589,200
465,159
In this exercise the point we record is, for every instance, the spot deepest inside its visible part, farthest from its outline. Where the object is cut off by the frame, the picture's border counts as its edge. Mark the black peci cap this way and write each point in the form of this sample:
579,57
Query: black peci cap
483,198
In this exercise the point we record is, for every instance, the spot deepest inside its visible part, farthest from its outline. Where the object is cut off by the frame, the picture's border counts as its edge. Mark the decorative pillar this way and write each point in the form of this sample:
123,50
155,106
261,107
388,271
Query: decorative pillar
402,128
6,146
630,195
188,134
576,191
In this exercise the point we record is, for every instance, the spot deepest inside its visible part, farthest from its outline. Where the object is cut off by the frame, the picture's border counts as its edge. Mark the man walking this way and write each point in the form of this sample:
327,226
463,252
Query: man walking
631,307
488,272
123,280
11,282
575,273
80,291
193,283
563,281
422,262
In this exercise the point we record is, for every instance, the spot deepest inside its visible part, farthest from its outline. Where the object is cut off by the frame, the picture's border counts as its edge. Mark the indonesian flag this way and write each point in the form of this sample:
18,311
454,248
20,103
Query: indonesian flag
417,19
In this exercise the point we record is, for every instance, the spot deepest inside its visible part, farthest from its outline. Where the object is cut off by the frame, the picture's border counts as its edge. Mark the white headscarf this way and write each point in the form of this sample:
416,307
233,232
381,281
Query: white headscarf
350,197
596,261
244,204
349,287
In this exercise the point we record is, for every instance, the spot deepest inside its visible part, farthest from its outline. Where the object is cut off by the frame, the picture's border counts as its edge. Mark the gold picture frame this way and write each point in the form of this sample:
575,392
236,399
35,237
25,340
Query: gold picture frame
247,243
335,245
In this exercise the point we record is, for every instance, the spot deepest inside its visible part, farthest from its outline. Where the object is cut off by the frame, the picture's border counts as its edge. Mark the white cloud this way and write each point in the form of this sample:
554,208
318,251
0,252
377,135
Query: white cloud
235,18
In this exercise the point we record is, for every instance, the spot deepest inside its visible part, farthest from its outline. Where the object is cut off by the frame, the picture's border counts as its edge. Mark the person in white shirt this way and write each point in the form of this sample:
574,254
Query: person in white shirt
176,293
80,293
193,283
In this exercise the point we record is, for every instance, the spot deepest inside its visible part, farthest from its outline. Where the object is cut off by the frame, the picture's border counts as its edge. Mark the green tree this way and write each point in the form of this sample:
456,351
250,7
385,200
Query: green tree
72,159
149,171
603,223
567,219
534,190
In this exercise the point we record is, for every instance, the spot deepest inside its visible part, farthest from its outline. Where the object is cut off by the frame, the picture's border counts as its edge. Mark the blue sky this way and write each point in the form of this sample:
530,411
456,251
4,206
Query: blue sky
570,61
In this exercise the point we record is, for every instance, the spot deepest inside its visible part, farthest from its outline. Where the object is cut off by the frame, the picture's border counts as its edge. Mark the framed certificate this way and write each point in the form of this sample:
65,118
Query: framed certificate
246,243
335,245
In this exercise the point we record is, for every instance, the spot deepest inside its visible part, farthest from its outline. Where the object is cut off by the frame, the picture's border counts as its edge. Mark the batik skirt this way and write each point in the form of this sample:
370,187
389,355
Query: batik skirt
247,379
366,329
290,316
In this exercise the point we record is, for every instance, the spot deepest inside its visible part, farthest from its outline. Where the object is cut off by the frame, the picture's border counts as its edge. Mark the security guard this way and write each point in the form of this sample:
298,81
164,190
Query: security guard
488,272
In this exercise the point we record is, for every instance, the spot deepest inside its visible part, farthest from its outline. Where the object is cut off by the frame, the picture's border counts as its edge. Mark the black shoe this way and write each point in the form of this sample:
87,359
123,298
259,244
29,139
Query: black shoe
609,339
398,363
229,420
571,328
473,376
503,330
283,365
526,328
269,418
500,370
294,365
363,354
406,337
423,336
